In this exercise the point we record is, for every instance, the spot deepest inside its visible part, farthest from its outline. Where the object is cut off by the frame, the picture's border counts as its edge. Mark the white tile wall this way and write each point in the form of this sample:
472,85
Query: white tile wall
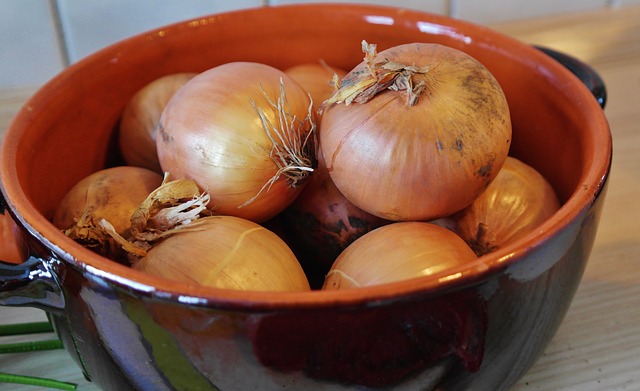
617,3
435,6
29,49
503,10
38,38
109,21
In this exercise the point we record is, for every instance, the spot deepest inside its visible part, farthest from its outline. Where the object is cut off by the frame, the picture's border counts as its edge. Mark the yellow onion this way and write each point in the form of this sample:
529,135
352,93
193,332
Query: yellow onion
397,252
139,121
112,194
415,132
316,79
244,132
226,252
514,204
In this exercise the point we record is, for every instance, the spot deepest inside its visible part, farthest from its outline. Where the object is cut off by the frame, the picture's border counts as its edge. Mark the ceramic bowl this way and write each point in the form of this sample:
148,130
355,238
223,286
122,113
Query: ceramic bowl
480,326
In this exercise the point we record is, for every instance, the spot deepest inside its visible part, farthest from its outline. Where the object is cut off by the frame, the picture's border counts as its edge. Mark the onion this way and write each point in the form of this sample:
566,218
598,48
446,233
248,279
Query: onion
396,252
316,79
244,132
226,252
173,207
139,121
112,194
321,222
416,141
514,204
12,247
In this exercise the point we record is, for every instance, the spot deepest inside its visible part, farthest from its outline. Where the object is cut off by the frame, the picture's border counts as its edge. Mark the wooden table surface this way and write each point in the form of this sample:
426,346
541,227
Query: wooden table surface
598,345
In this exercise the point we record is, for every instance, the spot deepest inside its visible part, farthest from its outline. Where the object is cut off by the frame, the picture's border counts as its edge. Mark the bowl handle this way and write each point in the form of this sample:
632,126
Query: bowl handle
583,71
32,283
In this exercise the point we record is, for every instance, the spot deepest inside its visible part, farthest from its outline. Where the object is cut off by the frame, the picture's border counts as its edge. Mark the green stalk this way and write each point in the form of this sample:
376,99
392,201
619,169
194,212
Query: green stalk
31,346
25,328
22,347
36,381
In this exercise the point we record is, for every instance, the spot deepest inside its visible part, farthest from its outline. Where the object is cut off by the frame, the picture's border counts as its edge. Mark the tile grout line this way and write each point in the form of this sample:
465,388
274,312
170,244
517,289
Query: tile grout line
61,37
453,8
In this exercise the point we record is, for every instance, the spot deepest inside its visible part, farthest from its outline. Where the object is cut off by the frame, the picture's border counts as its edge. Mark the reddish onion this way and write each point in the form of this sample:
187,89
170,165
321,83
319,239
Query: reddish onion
226,252
244,132
514,204
139,121
416,141
396,252
321,222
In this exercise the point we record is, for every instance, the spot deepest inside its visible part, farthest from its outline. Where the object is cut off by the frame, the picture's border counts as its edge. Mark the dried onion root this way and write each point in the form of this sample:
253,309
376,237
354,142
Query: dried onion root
321,222
293,151
112,194
361,86
415,132
317,79
245,131
174,236
171,208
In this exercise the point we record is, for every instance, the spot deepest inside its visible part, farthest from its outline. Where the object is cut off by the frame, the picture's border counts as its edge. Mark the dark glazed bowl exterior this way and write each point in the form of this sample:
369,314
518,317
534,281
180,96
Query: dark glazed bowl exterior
478,327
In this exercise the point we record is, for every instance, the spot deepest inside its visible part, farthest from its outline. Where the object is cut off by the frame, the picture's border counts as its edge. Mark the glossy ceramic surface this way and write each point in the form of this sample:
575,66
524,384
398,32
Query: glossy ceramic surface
477,327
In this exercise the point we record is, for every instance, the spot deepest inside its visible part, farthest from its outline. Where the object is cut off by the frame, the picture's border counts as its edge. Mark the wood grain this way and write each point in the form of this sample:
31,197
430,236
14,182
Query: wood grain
598,344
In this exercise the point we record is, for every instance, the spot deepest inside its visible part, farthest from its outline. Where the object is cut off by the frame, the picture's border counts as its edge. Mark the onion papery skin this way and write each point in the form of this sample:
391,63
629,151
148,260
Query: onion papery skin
316,79
227,252
210,132
112,194
140,118
396,252
424,161
518,201
321,223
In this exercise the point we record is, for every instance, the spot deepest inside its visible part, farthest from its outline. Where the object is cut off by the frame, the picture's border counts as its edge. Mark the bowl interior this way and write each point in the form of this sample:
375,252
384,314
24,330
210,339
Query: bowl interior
68,129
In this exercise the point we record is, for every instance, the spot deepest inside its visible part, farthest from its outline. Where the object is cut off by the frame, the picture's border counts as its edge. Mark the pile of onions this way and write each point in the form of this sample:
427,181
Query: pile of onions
321,222
140,118
227,252
112,194
244,132
396,252
514,204
171,234
418,132
415,132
